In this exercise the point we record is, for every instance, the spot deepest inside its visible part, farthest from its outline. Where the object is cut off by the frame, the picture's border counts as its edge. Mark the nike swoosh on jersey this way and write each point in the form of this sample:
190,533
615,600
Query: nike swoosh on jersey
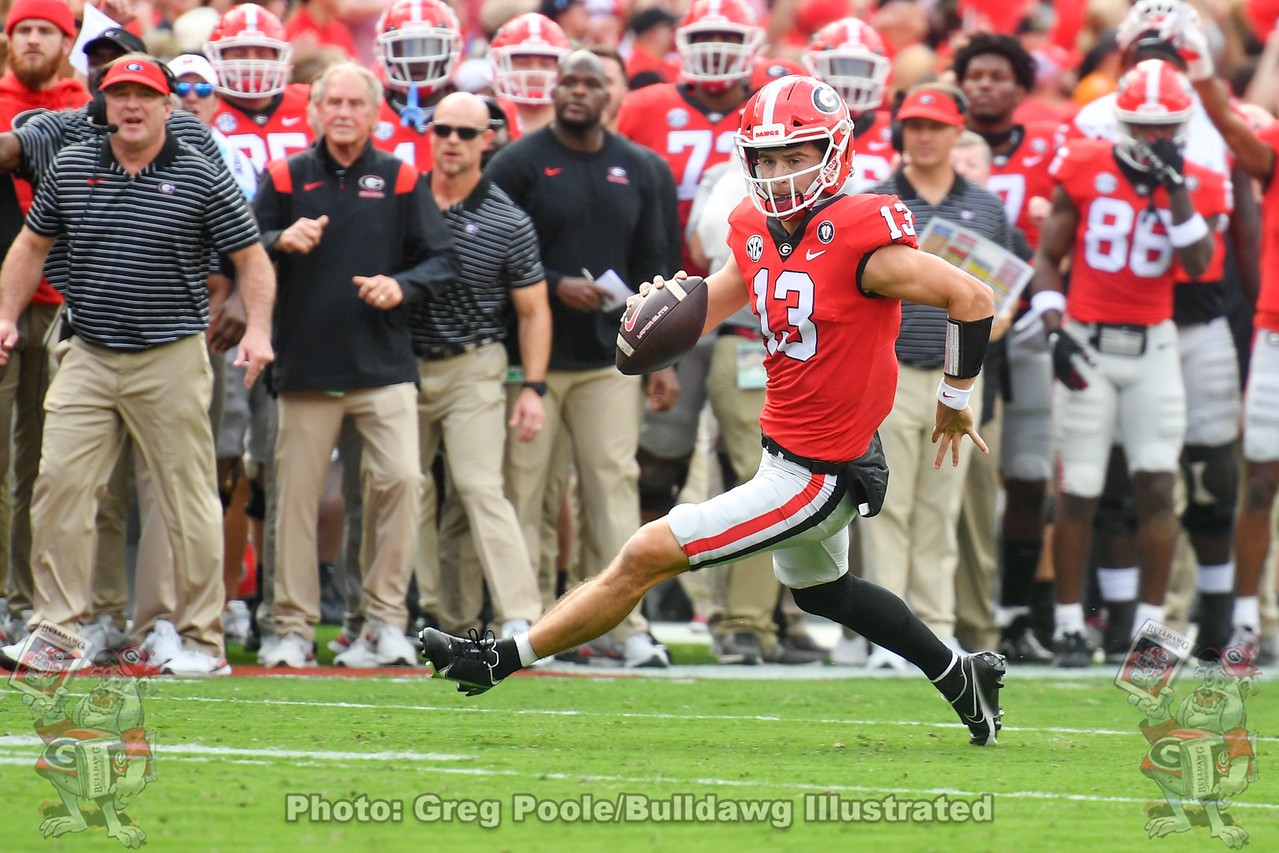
312,185
809,255
289,122
550,173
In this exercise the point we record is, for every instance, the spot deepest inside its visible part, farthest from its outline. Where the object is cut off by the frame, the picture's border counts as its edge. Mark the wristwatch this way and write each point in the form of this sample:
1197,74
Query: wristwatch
538,388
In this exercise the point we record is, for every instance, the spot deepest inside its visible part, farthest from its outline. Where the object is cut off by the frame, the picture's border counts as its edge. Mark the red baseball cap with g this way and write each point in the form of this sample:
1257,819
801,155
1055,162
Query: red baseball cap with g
144,71
56,12
931,104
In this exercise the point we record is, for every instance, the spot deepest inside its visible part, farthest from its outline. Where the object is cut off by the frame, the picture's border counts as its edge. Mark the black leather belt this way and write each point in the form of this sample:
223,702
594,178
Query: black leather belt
443,351
814,465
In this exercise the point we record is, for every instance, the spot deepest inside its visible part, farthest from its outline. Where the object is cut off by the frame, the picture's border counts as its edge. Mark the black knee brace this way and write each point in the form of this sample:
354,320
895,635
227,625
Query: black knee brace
1116,513
660,481
255,506
1211,475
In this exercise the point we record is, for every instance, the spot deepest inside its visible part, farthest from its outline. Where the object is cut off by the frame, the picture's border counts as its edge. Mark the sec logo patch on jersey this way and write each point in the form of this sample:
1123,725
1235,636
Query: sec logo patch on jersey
225,122
677,118
755,247
384,130
1106,183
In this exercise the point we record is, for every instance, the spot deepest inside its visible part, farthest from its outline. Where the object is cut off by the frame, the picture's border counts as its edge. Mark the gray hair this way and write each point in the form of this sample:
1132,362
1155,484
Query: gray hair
320,87
971,139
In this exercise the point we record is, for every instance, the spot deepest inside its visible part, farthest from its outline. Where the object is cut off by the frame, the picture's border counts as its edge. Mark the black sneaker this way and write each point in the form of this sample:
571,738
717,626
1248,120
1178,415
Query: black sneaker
469,661
741,647
1071,651
1020,645
978,705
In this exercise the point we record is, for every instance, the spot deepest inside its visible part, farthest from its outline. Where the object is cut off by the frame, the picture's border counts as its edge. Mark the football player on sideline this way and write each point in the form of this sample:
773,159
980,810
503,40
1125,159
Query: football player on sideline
825,274
262,113
417,46
1125,211
526,54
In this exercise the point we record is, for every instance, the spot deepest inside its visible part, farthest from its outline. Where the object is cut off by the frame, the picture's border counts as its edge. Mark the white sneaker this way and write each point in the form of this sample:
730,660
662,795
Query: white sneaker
191,662
643,652
96,634
850,651
390,646
162,643
292,650
235,620
882,658
343,641
511,627
357,655
114,638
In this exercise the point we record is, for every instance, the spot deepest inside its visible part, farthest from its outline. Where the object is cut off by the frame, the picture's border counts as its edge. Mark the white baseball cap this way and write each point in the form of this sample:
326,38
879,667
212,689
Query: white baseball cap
189,63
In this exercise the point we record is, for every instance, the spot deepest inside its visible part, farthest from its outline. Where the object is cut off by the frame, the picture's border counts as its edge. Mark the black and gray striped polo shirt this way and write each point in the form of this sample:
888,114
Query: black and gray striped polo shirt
139,245
922,339
498,251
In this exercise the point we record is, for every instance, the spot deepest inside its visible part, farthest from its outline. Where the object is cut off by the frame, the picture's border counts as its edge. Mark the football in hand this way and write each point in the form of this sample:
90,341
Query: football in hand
662,326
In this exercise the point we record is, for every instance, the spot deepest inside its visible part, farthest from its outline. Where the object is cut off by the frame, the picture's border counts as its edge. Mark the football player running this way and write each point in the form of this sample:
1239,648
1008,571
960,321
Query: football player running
824,274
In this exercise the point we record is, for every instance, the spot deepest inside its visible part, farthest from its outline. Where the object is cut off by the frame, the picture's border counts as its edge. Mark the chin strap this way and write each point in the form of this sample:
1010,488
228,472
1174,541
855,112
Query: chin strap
412,115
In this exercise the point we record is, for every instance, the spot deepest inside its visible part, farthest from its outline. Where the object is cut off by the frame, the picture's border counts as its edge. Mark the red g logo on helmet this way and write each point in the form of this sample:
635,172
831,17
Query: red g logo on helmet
250,53
526,52
418,43
849,56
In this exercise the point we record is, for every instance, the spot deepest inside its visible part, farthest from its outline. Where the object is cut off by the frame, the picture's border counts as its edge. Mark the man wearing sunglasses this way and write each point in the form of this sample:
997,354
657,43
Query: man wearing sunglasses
197,91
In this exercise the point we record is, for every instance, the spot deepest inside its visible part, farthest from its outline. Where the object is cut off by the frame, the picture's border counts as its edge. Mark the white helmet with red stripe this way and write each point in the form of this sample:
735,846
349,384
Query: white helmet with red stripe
250,26
718,41
525,37
850,56
787,112
418,43
1156,96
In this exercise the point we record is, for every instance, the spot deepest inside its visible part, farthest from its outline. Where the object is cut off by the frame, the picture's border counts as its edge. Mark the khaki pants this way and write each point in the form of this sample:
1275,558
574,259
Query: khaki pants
601,411
22,392
914,538
462,403
160,399
308,430
978,560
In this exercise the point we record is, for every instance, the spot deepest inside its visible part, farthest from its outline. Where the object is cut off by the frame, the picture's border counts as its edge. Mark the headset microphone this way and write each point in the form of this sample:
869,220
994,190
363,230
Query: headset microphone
103,129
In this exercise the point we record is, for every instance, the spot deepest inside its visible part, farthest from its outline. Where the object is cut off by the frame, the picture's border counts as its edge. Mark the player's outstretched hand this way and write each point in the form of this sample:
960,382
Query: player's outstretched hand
952,426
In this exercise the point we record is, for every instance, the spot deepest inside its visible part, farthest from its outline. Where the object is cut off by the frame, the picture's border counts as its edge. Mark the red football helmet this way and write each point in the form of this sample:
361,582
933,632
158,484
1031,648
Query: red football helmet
250,26
528,35
1157,97
788,112
418,43
849,55
735,37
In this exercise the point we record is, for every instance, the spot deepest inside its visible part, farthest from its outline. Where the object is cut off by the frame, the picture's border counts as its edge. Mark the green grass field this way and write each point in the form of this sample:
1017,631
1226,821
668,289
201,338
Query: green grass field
230,752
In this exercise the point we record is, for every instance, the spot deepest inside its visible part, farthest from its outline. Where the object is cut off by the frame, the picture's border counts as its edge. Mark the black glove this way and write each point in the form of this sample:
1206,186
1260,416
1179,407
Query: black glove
1167,165
1064,351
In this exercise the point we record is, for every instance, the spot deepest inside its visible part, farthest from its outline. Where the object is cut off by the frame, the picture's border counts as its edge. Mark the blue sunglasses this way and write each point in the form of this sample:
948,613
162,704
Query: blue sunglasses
202,90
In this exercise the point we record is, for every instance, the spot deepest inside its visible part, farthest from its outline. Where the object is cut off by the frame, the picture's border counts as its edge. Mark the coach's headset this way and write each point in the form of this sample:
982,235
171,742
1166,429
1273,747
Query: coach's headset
957,96
98,106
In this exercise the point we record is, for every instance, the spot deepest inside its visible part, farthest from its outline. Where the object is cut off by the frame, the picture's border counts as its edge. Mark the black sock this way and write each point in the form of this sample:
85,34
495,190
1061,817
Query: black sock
880,617
1021,560
508,659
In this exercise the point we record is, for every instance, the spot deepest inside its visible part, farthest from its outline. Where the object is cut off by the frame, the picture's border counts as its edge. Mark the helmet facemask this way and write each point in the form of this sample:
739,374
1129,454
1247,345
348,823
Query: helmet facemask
417,56
779,197
858,75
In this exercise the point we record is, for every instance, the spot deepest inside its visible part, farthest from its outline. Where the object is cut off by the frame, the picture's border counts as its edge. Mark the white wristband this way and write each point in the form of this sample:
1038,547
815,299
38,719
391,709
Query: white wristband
1048,300
955,398
1189,232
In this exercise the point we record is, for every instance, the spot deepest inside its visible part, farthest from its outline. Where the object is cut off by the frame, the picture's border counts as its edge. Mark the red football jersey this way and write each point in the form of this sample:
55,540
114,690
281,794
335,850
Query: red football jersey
286,130
1268,302
411,145
663,117
1212,195
1022,174
830,357
1123,257
873,153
